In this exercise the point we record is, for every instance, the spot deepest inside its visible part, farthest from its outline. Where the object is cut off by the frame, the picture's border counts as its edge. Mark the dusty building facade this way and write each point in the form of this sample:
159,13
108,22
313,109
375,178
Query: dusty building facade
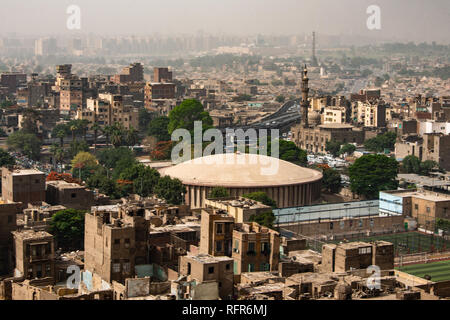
216,233
255,248
206,268
357,255
116,242
34,254
314,139
70,195
241,209
8,224
25,186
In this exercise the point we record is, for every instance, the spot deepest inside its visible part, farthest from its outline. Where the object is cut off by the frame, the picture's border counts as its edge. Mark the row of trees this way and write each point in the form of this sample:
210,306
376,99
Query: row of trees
116,173
412,164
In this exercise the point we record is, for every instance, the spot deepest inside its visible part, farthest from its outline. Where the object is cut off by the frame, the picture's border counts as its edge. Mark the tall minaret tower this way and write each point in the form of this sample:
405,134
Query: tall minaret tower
305,103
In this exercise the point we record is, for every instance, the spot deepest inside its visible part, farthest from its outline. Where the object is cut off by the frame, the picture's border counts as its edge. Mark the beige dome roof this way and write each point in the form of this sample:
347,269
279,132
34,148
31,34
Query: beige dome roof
240,170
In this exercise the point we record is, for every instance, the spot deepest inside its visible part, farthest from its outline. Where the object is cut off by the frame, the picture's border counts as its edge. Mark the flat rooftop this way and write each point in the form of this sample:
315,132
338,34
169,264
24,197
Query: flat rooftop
206,258
31,234
425,195
26,172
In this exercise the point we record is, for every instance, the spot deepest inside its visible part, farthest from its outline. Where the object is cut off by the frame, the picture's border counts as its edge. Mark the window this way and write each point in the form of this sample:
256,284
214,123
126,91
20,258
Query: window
126,266
127,243
264,267
10,219
219,228
251,267
117,241
116,266
189,268
73,195
236,246
228,266
331,225
428,209
211,270
265,247
219,246
416,206
235,267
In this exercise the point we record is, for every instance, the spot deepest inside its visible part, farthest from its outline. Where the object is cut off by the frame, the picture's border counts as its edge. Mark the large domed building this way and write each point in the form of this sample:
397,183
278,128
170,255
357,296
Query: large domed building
286,183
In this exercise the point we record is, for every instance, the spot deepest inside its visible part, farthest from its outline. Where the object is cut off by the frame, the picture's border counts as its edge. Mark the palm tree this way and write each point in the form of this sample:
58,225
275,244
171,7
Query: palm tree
96,127
108,130
131,136
73,128
117,135
84,126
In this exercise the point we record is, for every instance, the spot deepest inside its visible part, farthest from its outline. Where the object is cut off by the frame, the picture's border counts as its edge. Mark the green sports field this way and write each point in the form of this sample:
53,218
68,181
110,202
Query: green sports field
408,242
439,271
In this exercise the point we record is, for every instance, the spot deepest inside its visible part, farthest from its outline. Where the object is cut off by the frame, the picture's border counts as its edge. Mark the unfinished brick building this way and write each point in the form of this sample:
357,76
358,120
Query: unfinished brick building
116,242
216,233
207,268
34,254
357,255
26,186
255,248
70,195
8,223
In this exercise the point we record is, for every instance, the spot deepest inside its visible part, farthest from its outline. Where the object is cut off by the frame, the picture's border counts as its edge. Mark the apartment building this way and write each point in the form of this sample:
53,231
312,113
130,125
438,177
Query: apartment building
255,248
109,109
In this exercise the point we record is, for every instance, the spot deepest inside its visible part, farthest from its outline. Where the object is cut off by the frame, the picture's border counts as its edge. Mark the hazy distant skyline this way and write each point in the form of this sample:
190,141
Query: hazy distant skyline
403,20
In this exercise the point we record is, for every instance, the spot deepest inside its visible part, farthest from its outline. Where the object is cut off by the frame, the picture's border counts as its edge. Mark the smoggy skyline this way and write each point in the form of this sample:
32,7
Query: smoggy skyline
401,20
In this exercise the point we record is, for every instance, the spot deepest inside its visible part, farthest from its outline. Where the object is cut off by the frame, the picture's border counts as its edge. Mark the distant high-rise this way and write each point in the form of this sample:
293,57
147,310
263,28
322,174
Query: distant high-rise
314,58
45,46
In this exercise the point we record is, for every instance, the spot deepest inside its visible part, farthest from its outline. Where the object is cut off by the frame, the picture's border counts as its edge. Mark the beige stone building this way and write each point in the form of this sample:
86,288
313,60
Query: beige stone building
116,242
34,254
206,268
216,233
23,185
314,139
107,110
70,195
241,209
255,248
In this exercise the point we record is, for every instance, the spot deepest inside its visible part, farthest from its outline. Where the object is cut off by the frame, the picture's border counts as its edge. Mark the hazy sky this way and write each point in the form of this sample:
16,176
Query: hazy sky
414,20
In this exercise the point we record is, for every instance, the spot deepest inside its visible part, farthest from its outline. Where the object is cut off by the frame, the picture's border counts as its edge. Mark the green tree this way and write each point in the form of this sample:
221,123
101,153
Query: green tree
184,116
427,166
373,173
61,131
144,179
381,142
288,151
331,180
30,120
117,159
347,148
84,165
261,197
6,159
68,228
265,219
145,117
25,143
171,190
77,147
219,192
411,164
333,147
158,128
280,99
